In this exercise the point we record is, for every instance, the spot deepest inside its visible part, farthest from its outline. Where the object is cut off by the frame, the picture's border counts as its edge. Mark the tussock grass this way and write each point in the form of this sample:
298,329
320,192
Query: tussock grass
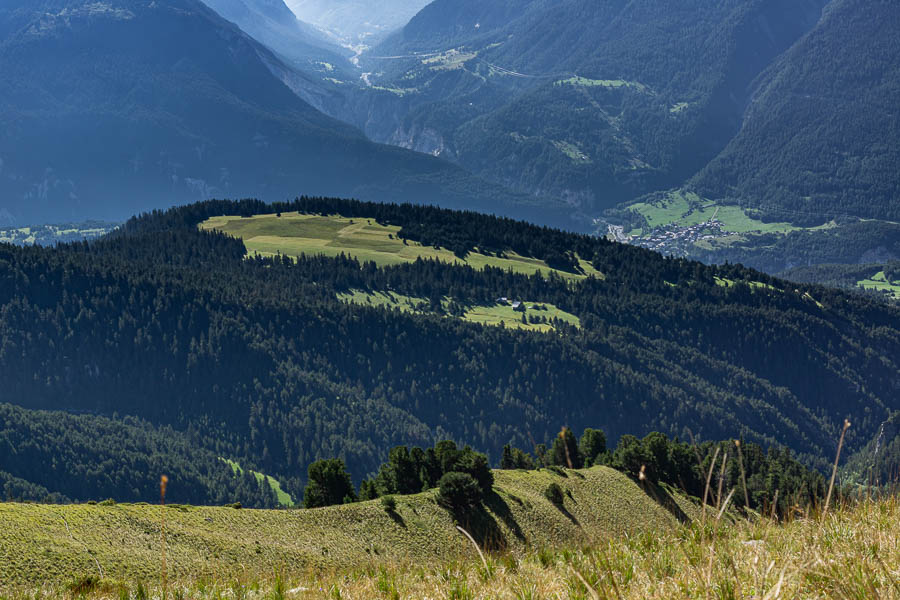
852,552
60,544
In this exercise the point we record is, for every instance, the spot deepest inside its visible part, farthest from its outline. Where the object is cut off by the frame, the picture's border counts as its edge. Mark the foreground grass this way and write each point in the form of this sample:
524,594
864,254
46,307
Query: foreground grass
852,553
54,545
294,234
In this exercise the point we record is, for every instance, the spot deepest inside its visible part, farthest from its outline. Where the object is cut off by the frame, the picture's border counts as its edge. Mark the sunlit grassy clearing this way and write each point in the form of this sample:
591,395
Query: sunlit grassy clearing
677,209
851,553
607,83
449,60
572,151
294,234
284,499
494,314
499,313
123,541
879,282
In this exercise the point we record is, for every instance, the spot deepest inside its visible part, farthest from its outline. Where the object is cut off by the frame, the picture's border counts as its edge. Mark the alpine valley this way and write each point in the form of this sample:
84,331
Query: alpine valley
461,299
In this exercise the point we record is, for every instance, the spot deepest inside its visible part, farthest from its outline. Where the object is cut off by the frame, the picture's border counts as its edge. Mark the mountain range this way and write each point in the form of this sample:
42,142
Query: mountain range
113,107
580,114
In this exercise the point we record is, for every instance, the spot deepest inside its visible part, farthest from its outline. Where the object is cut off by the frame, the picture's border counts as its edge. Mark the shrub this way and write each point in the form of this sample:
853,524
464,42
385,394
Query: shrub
458,492
554,494
476,465
388,503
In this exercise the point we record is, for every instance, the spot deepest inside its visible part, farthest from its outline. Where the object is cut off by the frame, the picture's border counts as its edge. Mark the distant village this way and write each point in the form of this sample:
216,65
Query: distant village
48,235
675,239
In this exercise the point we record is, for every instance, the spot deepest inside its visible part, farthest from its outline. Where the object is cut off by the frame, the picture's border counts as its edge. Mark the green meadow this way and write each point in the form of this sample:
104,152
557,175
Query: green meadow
879,282
295,234
687,208
535,315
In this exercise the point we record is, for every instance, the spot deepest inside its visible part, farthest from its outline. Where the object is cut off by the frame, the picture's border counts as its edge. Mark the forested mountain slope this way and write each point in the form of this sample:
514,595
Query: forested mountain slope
818,140
113,107
175,326
597,102
62,457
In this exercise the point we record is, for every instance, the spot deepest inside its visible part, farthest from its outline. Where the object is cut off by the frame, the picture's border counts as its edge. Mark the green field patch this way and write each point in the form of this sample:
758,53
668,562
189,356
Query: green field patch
395,90
606,83
573,152
685,209
535,316
294,234
538,316
385,300
53,545
449,60
284,499
880,283
725,282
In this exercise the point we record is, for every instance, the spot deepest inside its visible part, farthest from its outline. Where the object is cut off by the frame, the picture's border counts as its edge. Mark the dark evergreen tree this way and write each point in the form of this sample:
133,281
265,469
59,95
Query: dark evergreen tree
591,445
328,483
565,451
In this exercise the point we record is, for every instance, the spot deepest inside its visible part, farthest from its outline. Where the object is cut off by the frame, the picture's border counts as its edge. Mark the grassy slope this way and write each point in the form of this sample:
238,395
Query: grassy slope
284,499
294,234
879,282
54,544
686,209
489,315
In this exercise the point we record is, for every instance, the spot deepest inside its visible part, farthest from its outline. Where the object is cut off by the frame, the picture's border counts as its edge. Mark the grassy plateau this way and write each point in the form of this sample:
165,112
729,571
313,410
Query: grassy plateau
294,234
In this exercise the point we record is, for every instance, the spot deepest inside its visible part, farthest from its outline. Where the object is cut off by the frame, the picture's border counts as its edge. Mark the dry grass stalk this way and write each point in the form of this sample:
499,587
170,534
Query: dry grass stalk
562,435
163,482
474,543
834,469
743,474
721,481
712,467
584,582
